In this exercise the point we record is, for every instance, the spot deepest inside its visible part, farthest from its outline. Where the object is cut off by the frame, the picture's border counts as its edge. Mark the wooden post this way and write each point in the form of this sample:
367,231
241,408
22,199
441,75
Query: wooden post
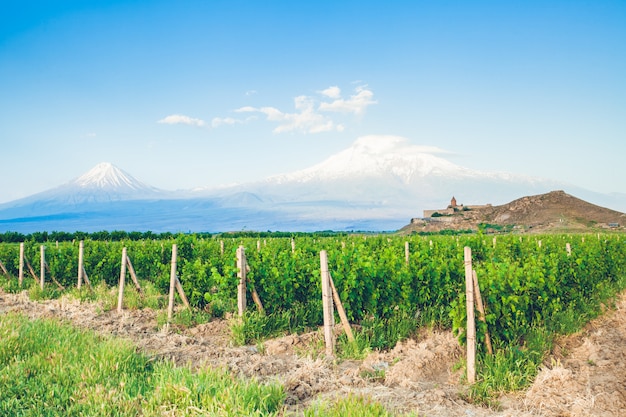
257,301
133,275
120,296
4,269
471,324
170,305
86,277
221,247
342,313
20,277
327,303
293,246
241,274
30,269
481,310
42,271
494,241
568,248
52,276
406,253
181,293
255,295
81,269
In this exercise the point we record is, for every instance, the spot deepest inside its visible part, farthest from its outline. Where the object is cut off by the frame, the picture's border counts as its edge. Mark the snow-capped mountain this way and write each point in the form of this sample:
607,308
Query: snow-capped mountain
106,176
104,183
392,172
378,156
378,183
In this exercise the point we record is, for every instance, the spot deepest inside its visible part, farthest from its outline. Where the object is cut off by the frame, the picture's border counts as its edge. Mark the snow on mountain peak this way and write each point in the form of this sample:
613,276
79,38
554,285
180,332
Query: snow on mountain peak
375,156
107,176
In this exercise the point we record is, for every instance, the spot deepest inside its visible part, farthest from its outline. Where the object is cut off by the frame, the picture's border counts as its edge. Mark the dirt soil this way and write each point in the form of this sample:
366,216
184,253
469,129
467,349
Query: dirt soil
584,376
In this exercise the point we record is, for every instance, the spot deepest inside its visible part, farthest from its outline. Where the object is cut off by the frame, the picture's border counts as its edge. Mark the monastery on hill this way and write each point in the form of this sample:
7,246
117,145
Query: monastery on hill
452,208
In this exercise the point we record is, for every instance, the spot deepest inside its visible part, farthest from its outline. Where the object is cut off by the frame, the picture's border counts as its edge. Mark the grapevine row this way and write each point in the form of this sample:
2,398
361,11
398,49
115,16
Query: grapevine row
525,281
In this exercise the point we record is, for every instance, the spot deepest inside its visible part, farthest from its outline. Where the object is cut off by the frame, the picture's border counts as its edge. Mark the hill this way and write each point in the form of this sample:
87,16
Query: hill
553,211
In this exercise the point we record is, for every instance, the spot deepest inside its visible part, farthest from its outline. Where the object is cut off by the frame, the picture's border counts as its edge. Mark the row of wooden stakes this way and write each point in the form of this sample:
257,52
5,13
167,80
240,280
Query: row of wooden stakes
24,263
331,299
330,296
126,267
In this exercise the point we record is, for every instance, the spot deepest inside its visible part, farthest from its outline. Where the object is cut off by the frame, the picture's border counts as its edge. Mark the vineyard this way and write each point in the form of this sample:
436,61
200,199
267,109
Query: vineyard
533,287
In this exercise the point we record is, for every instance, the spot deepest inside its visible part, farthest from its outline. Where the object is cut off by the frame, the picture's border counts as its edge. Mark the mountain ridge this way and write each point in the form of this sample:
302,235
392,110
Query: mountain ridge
377,184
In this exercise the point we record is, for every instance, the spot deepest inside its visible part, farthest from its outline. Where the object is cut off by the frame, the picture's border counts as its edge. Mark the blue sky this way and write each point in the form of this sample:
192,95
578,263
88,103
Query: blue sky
185,94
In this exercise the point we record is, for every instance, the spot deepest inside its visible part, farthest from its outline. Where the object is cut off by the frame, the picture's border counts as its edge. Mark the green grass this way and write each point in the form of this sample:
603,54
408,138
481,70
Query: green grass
49,292
373,334
184,318
351,406
510,368
49,368
52,369
10,285
254,326
386,333
357,349
133,299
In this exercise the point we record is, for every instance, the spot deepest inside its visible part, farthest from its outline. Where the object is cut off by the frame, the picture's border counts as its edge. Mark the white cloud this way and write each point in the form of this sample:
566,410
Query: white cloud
273,114
175,119
245,109
305,120
220,121
308,115
357,103
332,92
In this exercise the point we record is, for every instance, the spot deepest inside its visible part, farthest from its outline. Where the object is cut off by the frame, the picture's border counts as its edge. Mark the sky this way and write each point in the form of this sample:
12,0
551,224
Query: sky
186,94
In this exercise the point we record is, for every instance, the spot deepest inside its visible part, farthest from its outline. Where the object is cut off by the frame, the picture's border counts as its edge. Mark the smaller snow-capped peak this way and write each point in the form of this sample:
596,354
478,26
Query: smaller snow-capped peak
102,184
107,176
106,182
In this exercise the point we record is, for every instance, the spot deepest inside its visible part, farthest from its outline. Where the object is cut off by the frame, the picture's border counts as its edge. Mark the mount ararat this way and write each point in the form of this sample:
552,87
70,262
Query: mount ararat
379,183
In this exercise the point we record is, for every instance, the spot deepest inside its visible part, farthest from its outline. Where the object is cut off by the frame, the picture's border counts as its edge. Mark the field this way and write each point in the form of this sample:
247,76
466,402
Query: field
534,290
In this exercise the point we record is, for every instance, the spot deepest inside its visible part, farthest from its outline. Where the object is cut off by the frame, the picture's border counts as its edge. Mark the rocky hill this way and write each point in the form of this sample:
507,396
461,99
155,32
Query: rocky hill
553,211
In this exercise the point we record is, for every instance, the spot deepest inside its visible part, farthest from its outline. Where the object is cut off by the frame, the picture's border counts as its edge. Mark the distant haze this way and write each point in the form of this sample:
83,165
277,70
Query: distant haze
377,184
